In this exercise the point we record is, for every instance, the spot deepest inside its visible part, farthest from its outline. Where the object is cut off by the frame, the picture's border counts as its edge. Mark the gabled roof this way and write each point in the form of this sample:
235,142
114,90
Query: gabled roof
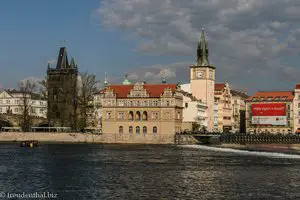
298,86
272,96
220,86
154,90
238,93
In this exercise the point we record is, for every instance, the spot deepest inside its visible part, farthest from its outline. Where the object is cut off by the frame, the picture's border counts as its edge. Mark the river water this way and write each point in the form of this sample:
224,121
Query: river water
86,171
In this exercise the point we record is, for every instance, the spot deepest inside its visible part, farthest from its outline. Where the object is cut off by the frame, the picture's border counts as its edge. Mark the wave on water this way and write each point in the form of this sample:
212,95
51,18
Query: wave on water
244,152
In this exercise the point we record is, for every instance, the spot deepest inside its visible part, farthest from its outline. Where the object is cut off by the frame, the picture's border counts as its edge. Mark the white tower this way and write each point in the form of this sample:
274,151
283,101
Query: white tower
202,77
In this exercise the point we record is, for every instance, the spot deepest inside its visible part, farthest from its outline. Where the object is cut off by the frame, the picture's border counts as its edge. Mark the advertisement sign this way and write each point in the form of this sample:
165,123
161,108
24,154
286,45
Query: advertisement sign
269,114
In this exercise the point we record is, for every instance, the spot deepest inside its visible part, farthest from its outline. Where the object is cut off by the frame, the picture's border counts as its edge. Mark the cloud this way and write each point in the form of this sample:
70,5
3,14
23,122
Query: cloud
249,41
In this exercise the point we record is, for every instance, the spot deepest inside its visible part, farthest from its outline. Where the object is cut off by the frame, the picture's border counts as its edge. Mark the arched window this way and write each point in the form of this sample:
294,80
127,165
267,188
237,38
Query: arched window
138,115
121,129
145,115
154,130
137,130
131,115
144,130
130,130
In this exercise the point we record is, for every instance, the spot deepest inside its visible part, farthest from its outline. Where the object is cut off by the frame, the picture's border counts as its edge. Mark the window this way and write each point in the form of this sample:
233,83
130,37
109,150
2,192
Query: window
130,130
145,103
277,98
1,101
284,98
154,130
0,110
298,97
145,115
254,99
120,115
138,115
168,103
16,110
144,130
298,105
108,115
186,105
269,98
138,103
131,115
154,115
288,107
235,101
41,111
178,115
298,121
8,101
137,130
121,103
121,129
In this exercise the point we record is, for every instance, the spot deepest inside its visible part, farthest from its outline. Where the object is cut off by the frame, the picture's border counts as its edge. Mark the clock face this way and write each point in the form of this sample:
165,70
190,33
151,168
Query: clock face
199,74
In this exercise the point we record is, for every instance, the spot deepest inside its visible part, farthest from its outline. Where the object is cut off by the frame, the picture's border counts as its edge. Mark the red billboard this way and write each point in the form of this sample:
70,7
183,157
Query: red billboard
270,109
269,114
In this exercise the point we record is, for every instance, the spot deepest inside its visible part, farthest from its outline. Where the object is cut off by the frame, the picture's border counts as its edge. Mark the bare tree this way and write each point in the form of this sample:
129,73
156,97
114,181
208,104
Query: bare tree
86,92
44,88
27,88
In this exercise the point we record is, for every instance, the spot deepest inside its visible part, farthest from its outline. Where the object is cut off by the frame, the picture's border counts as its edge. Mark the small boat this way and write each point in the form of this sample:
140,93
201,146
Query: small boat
29,143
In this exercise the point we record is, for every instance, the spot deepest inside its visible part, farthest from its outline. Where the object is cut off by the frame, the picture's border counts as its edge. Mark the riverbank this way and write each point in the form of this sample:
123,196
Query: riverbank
112,138
281,148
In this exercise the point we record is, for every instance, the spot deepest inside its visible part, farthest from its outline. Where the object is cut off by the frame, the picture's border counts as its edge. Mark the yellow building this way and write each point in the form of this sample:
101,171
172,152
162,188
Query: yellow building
141,110
223,99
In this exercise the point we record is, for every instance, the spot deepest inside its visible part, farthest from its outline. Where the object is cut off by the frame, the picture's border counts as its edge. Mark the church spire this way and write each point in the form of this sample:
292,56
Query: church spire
202,51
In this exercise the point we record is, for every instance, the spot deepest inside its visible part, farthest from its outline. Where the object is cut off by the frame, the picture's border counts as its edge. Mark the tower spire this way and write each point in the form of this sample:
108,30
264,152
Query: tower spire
105,81
202,51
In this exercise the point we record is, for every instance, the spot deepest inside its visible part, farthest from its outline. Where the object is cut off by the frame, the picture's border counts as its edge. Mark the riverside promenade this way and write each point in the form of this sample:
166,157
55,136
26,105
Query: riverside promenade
64,137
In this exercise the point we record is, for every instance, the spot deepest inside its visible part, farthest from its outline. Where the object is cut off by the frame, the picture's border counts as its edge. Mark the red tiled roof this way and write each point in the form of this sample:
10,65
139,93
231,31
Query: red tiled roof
272,95
219,86
297,86
154,90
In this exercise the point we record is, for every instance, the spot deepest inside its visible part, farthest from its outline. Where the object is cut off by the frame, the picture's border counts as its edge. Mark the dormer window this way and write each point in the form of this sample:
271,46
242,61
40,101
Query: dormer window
277,98
284,98
262,98
269,98
254,99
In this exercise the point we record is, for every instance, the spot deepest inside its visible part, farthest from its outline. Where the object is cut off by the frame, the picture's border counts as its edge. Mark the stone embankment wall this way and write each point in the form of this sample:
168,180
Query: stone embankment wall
112,138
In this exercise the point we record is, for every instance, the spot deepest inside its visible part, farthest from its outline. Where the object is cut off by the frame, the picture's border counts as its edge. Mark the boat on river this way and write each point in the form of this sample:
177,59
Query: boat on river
29,143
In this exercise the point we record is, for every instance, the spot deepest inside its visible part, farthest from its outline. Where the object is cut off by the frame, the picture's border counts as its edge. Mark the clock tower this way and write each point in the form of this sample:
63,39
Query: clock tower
202,78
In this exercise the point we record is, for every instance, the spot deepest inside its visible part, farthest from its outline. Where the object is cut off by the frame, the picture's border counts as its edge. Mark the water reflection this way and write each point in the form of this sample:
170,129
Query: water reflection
146,172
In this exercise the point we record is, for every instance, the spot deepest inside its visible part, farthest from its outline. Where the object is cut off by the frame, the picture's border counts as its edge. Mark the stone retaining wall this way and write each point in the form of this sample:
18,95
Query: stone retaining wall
90,138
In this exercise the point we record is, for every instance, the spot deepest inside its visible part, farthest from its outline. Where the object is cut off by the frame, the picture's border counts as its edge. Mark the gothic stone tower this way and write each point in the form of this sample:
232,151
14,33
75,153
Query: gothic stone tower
202,76
62,88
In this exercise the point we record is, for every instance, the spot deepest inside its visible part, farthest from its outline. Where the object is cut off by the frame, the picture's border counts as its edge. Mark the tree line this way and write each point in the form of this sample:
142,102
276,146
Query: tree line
78,97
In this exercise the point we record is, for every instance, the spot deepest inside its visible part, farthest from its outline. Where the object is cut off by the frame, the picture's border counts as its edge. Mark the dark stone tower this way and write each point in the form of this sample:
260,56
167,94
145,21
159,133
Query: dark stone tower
62,91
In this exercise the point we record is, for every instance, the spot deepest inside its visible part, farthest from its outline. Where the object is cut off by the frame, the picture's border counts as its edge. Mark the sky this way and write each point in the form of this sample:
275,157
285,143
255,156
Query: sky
253,44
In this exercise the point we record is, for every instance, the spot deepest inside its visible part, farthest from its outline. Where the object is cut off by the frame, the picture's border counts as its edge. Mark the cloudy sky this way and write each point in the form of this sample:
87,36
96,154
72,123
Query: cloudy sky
253,44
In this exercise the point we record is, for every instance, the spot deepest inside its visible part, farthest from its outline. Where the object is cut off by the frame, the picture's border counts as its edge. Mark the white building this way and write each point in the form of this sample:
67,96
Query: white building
194,112
11,102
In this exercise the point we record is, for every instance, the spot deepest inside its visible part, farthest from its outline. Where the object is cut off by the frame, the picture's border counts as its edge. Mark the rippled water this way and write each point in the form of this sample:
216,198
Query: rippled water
81,171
